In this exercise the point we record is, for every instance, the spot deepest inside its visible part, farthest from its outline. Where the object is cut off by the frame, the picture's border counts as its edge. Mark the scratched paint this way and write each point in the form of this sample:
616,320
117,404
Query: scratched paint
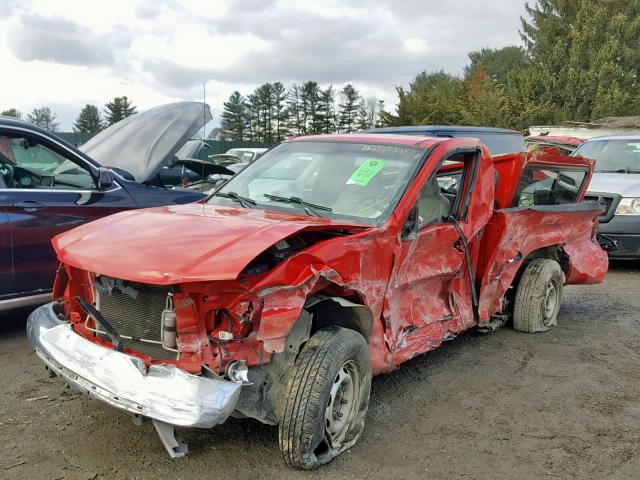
418,291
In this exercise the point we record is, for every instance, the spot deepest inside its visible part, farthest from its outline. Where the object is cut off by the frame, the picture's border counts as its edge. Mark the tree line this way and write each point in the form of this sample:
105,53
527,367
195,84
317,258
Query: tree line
90,119
580,61
272,112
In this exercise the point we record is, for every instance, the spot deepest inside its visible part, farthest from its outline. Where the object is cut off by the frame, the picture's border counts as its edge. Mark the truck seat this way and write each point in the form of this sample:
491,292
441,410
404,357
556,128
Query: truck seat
432,204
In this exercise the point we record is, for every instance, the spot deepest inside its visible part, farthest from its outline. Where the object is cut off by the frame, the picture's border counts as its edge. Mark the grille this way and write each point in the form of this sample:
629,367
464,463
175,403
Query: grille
138,317
606,202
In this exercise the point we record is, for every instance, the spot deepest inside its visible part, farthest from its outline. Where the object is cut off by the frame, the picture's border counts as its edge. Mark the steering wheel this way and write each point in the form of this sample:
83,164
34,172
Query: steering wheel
6,170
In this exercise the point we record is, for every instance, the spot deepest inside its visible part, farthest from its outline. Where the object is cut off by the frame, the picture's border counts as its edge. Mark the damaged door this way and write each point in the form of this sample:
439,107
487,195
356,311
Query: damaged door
429,297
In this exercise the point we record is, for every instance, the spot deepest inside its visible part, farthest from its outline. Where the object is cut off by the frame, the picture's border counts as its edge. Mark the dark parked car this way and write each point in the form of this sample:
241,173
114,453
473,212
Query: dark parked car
176,173
498,140
48,186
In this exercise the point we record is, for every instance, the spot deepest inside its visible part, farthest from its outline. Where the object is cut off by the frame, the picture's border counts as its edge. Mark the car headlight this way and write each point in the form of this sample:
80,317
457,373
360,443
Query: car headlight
629,206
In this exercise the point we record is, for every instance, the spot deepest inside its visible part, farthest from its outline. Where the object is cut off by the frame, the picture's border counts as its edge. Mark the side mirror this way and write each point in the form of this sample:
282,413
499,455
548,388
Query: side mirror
410,227
105,178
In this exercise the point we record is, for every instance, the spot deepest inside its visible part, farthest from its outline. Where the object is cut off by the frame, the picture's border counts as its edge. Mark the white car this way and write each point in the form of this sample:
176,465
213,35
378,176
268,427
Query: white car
247,155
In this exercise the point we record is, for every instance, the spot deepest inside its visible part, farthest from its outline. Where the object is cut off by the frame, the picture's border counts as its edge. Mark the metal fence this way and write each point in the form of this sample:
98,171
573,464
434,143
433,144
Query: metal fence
74,138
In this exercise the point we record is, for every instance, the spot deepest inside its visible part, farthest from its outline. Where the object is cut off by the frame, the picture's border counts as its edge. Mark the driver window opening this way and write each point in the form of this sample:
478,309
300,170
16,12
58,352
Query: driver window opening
442,195
27,164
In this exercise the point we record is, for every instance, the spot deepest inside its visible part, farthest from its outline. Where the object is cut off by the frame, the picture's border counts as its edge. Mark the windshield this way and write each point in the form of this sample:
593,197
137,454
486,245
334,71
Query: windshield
617,155
243,155
357,181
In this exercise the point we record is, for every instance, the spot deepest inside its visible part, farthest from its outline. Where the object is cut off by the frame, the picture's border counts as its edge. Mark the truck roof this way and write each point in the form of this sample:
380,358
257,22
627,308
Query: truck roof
497,140
442,128
416,141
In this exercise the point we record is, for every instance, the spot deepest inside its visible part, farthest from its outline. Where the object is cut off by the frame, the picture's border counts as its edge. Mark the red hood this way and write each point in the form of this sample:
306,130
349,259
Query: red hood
186,243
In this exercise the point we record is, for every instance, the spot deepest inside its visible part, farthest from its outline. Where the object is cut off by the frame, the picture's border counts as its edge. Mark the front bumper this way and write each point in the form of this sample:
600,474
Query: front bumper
620,245
620,236
160,392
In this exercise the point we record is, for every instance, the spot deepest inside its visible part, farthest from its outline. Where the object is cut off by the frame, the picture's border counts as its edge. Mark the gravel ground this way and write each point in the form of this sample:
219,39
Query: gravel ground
561,404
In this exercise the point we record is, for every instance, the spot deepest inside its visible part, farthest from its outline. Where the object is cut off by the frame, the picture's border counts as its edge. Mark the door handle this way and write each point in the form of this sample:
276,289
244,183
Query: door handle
30,205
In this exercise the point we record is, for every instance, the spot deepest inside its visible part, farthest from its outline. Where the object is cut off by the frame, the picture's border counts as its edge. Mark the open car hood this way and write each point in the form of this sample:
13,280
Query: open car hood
142,143
197,242
225,158
204,167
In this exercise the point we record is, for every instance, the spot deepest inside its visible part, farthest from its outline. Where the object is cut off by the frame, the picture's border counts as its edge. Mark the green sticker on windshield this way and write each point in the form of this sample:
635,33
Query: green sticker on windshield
365,172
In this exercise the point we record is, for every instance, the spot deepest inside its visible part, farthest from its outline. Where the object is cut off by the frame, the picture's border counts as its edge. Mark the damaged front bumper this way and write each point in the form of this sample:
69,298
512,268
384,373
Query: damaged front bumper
163,393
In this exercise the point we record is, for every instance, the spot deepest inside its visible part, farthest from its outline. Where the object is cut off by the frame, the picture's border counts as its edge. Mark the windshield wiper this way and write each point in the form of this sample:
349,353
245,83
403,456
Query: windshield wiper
244,201
309,208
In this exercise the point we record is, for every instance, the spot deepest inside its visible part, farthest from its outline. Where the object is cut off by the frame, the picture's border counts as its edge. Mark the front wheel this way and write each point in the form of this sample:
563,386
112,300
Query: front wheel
327,398
538,296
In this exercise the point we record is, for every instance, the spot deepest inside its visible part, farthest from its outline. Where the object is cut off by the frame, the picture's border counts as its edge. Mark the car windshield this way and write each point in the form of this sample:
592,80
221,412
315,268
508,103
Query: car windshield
358,181
243,155
615,155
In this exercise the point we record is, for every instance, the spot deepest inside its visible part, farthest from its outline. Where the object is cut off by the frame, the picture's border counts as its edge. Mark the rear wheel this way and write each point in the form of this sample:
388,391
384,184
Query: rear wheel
327,398
538,296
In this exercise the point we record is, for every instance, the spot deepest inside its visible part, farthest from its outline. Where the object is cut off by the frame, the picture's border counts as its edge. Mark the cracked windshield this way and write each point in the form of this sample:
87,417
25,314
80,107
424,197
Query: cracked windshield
330,179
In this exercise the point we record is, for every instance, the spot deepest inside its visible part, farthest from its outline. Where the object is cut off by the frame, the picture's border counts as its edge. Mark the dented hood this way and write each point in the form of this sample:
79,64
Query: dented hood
143,143
176,244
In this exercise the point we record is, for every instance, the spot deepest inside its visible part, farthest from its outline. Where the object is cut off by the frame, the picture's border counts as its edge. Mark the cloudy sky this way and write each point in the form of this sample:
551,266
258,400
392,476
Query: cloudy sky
65,54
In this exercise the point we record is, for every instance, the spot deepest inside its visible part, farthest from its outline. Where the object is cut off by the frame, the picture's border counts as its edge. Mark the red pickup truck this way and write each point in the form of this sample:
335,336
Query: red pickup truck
331,259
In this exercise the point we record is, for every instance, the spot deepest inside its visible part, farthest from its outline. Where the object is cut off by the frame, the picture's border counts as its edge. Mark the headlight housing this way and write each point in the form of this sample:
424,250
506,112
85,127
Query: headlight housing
629,206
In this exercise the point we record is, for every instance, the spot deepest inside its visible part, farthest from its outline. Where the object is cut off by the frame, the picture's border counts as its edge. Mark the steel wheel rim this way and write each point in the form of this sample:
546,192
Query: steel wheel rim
341,406
550,302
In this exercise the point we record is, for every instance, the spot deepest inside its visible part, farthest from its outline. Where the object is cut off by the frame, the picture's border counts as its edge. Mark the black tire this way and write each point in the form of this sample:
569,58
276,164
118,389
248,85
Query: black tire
538,296
320,375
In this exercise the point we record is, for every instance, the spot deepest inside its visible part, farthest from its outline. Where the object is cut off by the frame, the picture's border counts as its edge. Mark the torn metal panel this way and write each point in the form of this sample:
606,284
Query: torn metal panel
516,233
249,286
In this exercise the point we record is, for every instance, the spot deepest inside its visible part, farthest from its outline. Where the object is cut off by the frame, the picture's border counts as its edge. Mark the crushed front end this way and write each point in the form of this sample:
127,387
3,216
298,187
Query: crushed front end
153,351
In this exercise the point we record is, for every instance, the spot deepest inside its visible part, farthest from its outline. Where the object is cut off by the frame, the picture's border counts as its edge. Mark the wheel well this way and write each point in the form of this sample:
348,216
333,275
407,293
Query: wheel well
341,312
552,252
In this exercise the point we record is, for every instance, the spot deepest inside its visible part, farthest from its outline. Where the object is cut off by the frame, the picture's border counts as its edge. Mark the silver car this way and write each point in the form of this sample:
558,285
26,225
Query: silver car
616,186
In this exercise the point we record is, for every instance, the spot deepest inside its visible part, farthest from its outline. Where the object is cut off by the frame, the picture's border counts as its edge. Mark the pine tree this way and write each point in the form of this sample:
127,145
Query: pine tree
432,98
235,117
369,112
44,118
348,108
294,110
310,97
279,114
118,109
260,109
12,112
496,62
585,58
326,115
88,121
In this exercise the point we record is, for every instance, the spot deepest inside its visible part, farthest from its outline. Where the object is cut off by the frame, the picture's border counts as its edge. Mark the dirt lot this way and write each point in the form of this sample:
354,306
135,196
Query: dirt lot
563,404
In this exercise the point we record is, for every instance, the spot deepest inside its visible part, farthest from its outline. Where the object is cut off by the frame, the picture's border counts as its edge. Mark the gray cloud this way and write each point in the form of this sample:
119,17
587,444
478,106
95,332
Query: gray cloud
152,9
55,39
8,8
366,46
176,76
